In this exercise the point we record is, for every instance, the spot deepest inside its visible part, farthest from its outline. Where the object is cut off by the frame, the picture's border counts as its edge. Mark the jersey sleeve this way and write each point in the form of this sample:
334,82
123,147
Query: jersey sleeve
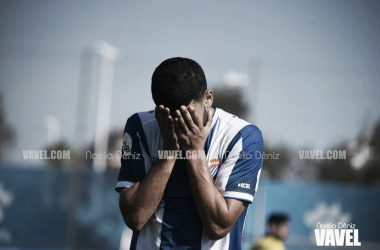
240,170
135,156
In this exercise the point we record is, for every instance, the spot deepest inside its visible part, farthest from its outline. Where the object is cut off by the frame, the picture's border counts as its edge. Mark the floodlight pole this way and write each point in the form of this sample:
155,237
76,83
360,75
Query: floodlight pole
108,55
53,127
84,87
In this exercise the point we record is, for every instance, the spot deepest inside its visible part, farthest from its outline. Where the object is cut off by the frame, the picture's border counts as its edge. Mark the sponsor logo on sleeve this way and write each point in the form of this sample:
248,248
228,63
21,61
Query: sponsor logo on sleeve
127,144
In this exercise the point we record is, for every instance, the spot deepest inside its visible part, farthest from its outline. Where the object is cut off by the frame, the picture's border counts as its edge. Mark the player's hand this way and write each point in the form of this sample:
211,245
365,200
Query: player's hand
191,133
166,125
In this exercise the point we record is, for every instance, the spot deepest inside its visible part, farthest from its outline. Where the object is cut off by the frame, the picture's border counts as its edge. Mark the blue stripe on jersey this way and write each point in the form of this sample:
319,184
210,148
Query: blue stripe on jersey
237,231
248,164
209,138
178,184
133,169
181,225
135,236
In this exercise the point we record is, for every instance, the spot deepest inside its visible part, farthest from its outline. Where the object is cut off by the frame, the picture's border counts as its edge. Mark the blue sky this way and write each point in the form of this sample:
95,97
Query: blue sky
317,83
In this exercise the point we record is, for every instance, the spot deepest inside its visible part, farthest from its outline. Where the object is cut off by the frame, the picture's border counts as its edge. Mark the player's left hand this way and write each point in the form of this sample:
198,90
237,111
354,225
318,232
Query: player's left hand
190,131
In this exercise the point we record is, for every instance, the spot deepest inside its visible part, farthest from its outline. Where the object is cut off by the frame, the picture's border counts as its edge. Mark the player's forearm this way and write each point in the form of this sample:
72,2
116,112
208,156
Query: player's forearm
212,206
138,203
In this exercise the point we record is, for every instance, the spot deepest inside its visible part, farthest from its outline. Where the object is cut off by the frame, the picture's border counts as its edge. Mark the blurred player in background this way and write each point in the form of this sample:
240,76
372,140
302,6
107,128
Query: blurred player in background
199,200
278,229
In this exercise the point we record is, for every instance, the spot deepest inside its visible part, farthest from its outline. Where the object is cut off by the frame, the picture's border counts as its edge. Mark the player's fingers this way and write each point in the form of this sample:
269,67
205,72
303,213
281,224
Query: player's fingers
188,119
166,119
159,117
177,128
171,125
161,112
181,122
194,115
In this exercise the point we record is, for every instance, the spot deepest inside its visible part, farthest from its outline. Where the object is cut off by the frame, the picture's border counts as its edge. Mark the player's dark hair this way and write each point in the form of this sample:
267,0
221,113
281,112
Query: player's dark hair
278,218
178,81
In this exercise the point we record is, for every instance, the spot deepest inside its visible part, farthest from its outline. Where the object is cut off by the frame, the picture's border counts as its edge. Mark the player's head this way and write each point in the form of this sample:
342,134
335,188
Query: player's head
181,81
278,225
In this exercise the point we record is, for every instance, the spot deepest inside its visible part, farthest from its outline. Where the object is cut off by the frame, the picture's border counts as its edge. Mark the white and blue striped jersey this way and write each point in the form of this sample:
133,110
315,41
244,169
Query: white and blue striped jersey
233,149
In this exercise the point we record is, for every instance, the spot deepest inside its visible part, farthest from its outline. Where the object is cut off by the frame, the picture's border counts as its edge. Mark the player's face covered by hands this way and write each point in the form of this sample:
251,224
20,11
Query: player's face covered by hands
190,128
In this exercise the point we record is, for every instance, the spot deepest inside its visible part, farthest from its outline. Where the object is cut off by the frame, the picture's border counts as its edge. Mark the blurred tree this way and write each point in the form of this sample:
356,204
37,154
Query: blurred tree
231,99
368,172
276,158
283,162
6,132
339,170
276,161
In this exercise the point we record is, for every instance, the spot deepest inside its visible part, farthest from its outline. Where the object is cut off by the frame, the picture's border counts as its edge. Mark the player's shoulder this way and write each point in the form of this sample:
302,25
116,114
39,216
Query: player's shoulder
142,118
233,125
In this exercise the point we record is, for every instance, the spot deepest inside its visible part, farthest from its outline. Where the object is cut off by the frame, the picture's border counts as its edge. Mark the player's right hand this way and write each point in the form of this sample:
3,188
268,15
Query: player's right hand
166,125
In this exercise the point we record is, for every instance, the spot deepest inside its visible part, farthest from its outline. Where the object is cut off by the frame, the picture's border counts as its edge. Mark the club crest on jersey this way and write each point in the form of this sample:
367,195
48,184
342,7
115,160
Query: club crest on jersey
214,166
127,144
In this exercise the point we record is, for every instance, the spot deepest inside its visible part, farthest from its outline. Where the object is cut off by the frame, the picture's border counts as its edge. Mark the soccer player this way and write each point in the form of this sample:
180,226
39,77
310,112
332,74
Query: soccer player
278,229
199,202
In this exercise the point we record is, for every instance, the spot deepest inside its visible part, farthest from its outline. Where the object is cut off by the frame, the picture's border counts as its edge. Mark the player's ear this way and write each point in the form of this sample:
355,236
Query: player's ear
209,97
